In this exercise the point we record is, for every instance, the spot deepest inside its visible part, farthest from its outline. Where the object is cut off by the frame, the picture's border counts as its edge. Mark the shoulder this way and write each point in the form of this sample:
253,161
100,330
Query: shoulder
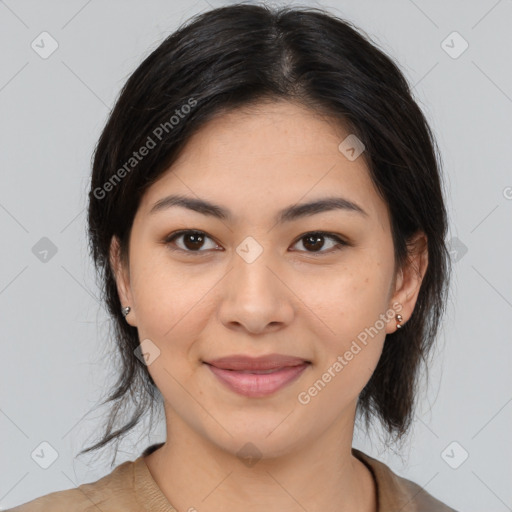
397,493
111,493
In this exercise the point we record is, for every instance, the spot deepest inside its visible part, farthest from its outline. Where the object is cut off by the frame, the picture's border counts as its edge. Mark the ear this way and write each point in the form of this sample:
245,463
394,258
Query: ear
408,280
122,277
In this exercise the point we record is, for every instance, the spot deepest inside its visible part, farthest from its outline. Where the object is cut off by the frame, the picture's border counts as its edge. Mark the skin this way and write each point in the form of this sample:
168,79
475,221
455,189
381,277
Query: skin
296,299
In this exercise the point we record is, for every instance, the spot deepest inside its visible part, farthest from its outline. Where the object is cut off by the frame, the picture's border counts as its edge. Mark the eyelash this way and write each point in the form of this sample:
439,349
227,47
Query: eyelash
173,236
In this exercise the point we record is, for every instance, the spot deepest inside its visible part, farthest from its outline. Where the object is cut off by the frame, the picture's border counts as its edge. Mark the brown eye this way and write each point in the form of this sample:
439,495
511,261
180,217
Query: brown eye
314,242
192,241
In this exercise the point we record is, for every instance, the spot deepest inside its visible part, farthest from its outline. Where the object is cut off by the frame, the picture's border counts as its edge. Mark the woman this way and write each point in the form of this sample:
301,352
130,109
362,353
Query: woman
267,217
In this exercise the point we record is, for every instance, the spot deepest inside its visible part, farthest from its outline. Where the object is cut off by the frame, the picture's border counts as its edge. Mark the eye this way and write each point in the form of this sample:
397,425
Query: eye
194,241
315,241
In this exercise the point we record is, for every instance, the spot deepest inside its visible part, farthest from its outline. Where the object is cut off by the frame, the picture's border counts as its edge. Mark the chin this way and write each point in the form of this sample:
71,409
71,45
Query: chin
260,440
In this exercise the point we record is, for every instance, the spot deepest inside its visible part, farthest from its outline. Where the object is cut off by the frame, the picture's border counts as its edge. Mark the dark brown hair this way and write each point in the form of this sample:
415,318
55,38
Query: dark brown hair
244,54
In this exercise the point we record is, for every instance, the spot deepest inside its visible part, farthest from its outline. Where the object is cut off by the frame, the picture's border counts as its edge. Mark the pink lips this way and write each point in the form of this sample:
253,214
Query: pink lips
257,376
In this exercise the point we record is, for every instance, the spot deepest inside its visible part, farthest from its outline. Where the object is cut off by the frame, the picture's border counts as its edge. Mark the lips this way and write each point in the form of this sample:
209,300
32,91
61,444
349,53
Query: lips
256,364
257,376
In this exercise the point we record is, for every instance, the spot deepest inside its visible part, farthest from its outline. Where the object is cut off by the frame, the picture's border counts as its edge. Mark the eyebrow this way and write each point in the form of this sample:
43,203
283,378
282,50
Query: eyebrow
287,214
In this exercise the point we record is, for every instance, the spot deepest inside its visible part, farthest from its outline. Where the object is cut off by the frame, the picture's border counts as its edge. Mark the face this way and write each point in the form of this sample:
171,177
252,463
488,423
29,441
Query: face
317,285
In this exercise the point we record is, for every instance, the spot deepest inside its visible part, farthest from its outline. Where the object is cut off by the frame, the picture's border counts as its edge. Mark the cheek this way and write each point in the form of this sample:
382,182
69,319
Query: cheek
162,294
349,345
349,309
173,309
348,298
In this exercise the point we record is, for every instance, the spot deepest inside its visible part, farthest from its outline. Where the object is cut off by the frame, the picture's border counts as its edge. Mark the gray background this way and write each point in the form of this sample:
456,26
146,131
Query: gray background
53,330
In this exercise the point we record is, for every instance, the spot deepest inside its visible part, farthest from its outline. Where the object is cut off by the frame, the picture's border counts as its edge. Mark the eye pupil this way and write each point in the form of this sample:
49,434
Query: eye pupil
196,239
314,239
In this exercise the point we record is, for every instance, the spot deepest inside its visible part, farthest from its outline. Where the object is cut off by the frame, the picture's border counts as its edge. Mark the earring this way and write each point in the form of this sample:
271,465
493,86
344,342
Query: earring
126,310
398,322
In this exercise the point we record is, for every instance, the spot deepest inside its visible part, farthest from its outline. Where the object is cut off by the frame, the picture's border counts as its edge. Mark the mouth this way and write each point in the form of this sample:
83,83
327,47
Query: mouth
257,377
253,364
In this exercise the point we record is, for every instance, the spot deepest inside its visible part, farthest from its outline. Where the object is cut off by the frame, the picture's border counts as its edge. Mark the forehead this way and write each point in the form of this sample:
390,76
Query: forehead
255,160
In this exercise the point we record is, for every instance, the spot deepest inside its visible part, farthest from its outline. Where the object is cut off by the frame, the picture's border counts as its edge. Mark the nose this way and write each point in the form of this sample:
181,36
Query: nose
255,297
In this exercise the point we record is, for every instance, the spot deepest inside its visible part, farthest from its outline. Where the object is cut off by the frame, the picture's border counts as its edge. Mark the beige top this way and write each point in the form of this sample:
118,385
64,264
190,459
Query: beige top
130,487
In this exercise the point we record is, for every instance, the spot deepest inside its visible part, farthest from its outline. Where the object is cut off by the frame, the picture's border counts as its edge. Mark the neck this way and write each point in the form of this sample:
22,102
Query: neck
194,473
